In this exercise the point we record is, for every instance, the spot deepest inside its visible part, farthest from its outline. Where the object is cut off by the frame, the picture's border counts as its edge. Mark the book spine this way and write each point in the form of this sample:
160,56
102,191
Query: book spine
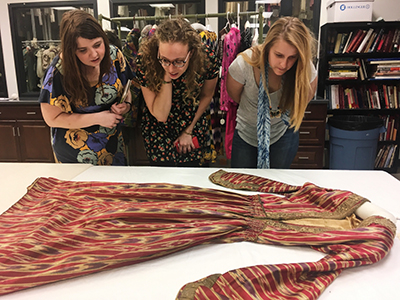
378,37
380,45
354,40
365,40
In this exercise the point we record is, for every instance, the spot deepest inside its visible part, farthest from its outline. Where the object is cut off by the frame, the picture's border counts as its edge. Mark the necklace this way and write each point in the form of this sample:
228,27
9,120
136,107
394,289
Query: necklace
275,113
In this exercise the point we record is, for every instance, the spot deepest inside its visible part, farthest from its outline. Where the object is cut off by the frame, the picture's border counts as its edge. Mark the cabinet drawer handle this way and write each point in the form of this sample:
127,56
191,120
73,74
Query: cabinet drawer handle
304,157
18,131
13,131
305,132
31,112
307,112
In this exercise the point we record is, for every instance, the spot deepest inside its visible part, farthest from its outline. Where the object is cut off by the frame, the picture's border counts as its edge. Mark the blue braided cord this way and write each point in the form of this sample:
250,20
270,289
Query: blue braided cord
263,124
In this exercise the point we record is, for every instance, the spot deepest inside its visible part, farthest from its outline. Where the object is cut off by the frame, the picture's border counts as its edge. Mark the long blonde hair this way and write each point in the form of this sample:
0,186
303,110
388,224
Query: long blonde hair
173,31
295,33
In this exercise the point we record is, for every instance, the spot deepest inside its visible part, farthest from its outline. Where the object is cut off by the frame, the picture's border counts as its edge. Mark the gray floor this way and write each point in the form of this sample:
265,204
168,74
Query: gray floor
397,175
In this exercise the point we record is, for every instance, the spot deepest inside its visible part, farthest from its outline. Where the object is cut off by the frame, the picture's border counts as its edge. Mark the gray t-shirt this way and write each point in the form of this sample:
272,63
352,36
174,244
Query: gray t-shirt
246,116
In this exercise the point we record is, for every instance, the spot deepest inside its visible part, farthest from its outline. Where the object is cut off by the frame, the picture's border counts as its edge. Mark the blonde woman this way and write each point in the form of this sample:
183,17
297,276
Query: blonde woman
178,75
272,83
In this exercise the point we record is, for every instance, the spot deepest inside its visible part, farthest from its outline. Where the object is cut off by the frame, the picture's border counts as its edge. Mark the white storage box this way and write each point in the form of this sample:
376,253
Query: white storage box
349,10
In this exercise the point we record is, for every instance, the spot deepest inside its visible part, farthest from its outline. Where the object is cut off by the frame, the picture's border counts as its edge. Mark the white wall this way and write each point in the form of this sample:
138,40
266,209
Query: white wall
212,8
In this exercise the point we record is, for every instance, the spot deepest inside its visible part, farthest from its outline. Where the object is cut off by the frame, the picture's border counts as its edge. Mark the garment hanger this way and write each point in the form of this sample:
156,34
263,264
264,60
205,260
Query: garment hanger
233,24
228,24
208,26
198,26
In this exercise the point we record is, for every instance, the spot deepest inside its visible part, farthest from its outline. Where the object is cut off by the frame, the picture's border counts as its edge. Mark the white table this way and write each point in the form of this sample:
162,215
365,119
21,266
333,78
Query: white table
162,278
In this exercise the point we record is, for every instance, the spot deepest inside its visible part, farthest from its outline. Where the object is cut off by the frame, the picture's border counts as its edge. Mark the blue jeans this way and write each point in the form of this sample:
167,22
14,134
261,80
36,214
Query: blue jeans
281,153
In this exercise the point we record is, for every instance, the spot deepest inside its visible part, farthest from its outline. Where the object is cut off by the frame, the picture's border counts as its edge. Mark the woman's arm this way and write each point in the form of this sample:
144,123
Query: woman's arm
313,89
234,88
206,94
55,117
159,104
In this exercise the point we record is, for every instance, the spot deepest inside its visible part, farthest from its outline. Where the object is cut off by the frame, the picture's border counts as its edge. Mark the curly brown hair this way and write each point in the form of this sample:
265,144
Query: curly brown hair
173,31
78,23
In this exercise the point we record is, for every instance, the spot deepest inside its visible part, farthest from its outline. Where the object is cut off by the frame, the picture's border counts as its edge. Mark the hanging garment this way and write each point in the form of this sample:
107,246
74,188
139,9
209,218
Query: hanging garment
44,58
130,51
245,39
64,229
231,49
210,39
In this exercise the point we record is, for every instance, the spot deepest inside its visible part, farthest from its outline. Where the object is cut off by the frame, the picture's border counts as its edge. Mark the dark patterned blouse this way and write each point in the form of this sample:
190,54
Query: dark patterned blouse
96,145
159,137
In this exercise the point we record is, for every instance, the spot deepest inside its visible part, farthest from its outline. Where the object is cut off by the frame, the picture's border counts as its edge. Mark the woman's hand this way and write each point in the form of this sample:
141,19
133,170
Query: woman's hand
109,119
120,108
184,143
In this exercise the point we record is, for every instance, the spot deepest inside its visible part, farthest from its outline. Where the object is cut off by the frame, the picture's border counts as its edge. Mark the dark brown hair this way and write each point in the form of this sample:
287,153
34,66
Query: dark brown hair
78,23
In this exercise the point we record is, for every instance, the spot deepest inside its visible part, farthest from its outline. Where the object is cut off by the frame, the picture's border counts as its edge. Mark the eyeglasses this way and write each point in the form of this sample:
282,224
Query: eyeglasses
177,63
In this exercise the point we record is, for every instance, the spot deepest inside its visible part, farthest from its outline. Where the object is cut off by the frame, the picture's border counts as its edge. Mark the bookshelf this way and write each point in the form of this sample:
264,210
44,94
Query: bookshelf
359,73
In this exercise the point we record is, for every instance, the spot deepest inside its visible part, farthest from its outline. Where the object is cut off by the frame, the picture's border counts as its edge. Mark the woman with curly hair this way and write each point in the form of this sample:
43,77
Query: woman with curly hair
81,94
178,75
273,84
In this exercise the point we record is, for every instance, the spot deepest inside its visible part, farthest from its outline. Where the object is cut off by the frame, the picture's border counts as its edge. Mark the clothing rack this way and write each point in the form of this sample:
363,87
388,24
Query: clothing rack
41,42
117,20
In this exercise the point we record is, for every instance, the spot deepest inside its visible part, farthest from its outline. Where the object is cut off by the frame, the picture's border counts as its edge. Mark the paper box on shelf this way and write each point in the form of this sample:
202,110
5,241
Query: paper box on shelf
349,10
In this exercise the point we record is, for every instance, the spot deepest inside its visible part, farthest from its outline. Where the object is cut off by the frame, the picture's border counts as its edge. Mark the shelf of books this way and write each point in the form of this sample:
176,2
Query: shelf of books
359,72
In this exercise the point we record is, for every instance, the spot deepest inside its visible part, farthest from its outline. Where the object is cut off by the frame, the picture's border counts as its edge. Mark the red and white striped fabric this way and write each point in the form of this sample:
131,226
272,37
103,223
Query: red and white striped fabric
64,229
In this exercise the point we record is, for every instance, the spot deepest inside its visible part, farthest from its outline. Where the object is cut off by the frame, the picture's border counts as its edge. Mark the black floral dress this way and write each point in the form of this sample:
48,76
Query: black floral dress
159,137
96,145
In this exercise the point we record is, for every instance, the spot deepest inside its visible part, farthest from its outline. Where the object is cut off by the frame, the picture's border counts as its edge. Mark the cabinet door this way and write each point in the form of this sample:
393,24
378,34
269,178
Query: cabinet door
9,150
312,132
35,145
137,152
308,157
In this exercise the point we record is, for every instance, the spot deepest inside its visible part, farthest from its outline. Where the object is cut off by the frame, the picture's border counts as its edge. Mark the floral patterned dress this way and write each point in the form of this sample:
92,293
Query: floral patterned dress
159,137
96,144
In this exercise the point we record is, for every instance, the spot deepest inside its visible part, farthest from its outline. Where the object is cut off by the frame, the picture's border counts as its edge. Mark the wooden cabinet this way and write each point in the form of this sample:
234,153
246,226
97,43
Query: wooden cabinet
312,137
135,146
24,136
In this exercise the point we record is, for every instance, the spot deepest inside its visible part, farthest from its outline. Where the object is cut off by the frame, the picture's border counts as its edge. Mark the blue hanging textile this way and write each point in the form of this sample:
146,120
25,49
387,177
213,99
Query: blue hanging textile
264,123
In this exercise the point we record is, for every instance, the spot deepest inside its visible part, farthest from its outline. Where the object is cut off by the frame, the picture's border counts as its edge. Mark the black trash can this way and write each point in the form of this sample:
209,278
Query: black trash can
353,141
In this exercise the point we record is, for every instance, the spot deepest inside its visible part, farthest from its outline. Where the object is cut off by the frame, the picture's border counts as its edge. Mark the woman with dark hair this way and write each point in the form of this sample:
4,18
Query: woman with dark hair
178,75
272,83
81,94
